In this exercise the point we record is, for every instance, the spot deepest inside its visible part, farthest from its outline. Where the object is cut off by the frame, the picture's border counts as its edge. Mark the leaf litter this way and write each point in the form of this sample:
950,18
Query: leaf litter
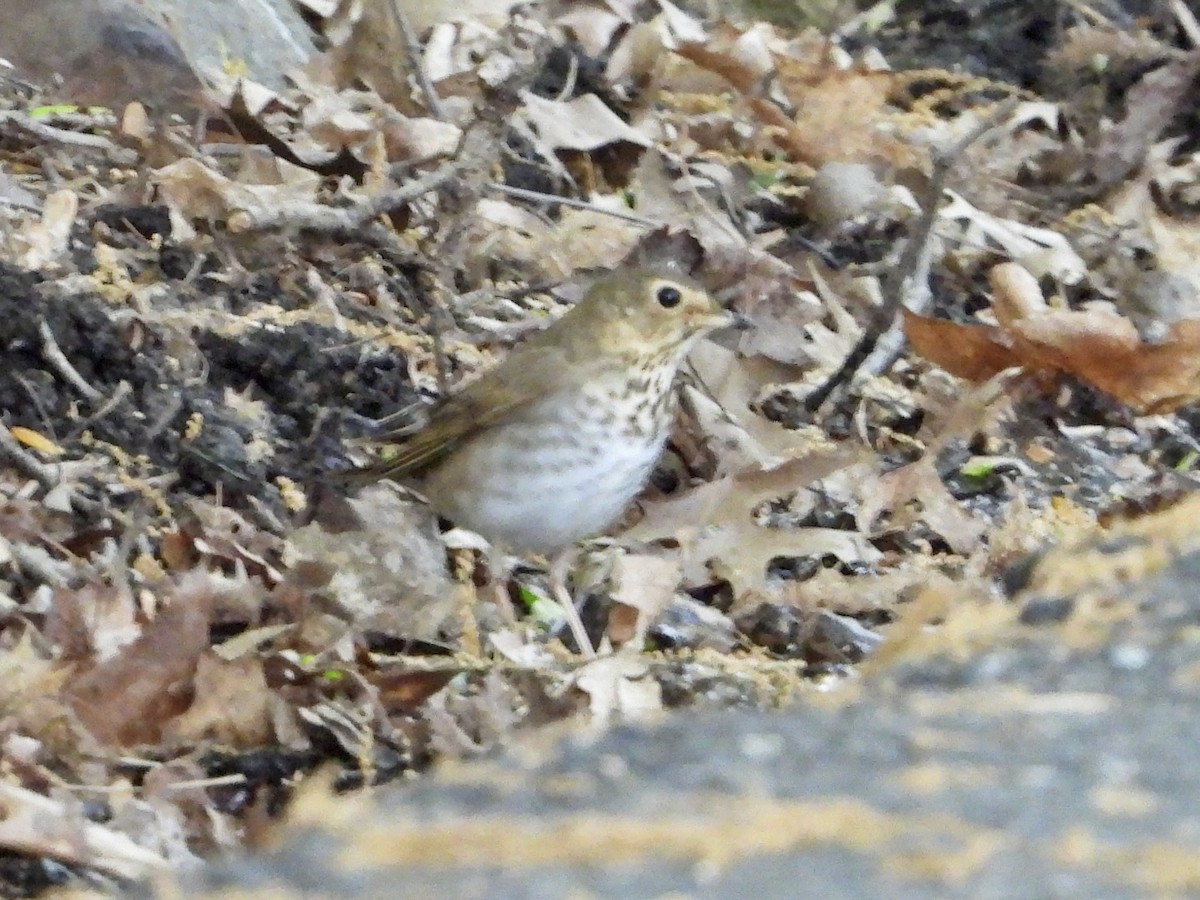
197,333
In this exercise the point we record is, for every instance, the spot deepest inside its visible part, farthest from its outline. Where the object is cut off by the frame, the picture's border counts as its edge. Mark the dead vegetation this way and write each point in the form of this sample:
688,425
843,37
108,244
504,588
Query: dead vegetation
197,324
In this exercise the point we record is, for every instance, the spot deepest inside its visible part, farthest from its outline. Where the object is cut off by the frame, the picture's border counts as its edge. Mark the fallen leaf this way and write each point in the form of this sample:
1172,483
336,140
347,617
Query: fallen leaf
232,705
127,699
1097,346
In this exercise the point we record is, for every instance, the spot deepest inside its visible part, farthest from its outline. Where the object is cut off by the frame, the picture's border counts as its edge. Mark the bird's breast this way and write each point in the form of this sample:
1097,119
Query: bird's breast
564,469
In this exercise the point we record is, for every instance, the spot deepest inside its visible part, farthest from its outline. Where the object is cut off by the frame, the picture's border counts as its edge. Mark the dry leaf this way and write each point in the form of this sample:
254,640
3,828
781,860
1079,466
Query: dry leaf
584,123
647,583
619,687
232,706
43,242
128,699
1095,345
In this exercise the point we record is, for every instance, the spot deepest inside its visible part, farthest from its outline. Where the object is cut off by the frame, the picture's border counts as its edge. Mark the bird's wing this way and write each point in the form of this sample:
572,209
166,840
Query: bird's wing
519,380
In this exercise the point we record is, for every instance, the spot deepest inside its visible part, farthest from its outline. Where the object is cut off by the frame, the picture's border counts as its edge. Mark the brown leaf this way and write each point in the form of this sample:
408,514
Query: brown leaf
974,352
1095,345
403,691
387,568
584,123
938,508
645,582
128,698
232,705
1150,105
836,112
369,48
715,525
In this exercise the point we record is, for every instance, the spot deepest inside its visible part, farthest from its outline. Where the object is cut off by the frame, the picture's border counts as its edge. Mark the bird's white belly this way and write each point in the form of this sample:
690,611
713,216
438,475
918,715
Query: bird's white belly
536,485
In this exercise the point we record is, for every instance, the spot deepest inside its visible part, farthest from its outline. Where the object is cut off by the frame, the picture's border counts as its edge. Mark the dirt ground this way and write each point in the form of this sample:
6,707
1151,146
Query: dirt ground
935,636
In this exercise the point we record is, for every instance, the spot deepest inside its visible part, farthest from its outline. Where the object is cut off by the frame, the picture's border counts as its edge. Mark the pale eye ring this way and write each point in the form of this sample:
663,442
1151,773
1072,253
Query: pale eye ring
668,297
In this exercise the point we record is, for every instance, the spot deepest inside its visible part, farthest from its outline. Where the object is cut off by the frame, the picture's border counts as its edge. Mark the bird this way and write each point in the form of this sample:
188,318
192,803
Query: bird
553,444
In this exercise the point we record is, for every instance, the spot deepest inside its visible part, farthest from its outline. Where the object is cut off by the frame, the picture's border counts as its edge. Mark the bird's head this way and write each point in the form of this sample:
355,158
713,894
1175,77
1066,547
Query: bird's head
648,311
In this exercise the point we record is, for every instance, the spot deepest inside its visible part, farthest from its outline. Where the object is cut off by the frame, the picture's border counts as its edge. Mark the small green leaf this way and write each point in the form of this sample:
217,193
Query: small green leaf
764,179
542,609
529,599
59,109
978,467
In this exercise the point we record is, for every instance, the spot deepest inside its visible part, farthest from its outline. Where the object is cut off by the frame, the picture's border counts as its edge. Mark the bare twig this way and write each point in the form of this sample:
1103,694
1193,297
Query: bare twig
432,101
440,320
97,846
901,281
568,88
52,135
47,476
1187,21
106,408
551,199
38,563
23,461
35,398
58,361
322,218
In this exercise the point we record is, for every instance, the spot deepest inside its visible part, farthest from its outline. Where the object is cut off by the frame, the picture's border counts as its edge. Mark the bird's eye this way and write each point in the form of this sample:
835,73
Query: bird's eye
668,297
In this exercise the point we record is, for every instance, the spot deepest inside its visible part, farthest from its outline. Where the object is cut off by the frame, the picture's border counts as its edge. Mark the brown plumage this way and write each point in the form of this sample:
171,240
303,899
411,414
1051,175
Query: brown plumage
553,443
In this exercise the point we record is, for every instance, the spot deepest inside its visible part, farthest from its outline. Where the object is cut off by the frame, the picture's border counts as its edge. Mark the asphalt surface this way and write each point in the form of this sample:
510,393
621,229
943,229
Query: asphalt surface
1036,746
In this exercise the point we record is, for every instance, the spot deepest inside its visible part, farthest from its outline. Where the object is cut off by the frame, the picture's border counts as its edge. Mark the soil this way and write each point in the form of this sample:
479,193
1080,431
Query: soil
911,719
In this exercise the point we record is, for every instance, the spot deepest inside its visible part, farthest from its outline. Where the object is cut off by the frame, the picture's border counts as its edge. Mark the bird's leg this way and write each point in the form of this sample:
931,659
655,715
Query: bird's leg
560,566
497,587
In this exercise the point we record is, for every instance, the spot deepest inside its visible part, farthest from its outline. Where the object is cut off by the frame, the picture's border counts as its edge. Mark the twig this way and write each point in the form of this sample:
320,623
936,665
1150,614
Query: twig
37,563
413,46
822,253
264,517
52,135
568,88
321,218
43,413
215,781
32,817
901,280
48,477
105,409
23,461
164,417
551,199
1187,21
59,363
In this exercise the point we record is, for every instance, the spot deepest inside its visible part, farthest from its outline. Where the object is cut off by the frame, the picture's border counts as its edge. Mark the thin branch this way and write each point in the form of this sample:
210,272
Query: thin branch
900,281
52,135
1187,21
341,220
24,461
552,199
48,477
432,101
58,361
107,407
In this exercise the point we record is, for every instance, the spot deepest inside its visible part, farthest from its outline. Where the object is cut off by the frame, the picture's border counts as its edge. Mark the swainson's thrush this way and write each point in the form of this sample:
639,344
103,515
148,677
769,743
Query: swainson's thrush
551,445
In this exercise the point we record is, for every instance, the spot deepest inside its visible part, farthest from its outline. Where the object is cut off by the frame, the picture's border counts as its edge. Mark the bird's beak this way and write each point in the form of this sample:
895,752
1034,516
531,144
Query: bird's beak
716,319
727,318
738,321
